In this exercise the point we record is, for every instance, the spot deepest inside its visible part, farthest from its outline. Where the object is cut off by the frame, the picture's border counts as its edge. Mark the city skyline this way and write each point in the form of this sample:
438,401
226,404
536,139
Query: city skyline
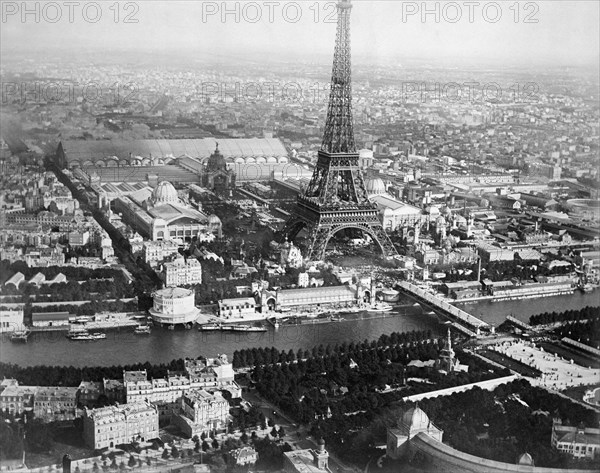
533,33
212,256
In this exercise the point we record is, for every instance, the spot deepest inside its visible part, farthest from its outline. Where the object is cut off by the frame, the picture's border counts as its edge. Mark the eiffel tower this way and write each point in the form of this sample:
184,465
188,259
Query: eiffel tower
336,197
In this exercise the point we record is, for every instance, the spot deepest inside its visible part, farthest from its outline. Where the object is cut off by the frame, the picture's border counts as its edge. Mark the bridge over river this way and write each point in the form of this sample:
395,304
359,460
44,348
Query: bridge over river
461,320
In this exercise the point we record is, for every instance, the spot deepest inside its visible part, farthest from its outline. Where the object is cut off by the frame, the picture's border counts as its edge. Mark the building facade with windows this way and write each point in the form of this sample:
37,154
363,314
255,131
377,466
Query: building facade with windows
162,215
110,426
11,319
15,399
237,308
578,442
202,412
155,252
55,403
181,272
210,374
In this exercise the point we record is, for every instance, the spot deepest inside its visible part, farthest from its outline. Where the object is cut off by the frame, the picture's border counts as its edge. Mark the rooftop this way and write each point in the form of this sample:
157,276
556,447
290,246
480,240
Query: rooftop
173,293
303,461
197,148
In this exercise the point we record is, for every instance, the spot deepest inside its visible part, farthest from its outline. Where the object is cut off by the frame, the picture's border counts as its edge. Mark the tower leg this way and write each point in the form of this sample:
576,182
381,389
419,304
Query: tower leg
319,235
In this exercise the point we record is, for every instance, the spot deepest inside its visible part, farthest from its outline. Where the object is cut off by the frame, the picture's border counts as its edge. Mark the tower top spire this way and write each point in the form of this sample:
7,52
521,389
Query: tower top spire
339,133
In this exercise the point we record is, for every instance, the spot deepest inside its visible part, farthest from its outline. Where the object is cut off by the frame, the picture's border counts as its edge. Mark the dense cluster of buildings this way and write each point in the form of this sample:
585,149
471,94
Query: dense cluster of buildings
455,182
191,399
510,289
47,403
38,211
266,301
211,375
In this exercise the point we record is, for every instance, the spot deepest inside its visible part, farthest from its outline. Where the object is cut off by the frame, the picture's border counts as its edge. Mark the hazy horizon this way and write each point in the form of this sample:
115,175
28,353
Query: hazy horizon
566,33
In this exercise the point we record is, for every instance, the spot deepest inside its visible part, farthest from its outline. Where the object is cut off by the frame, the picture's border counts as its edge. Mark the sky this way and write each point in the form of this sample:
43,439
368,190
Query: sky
560,32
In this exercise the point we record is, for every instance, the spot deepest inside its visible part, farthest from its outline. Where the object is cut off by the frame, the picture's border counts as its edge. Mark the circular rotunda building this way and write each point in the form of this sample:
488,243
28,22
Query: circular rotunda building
174,306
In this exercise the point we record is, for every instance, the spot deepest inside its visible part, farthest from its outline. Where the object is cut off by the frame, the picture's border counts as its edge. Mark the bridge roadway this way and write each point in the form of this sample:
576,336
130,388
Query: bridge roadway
518,323
466,320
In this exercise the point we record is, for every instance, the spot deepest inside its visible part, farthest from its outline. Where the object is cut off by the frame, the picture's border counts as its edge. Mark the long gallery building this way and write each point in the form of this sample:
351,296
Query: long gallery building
183,160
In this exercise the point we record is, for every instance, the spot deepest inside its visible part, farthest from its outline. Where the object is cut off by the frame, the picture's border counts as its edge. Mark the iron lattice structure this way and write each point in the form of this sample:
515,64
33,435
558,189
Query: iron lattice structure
336,197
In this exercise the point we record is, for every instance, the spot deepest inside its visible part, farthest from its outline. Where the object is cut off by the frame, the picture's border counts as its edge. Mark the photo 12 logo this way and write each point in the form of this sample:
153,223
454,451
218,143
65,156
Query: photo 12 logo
269,11
454,12
68,92
271,92
69,12
469,92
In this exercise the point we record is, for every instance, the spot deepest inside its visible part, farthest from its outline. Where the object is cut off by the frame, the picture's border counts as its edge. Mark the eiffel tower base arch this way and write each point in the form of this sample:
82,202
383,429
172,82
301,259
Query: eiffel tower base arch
320,231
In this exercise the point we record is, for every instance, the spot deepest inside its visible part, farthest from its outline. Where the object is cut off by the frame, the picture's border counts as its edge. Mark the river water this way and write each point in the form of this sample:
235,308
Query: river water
124,347
495,313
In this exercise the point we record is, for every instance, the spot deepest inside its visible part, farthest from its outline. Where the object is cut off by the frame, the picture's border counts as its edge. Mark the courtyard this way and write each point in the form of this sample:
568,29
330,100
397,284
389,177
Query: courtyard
558,373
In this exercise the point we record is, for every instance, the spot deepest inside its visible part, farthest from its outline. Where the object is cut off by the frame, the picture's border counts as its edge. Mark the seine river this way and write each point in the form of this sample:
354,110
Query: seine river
124,347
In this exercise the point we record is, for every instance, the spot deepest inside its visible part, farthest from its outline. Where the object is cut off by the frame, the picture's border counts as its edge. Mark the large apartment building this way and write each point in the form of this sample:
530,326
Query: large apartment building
120,424
181,272
202,412
211,374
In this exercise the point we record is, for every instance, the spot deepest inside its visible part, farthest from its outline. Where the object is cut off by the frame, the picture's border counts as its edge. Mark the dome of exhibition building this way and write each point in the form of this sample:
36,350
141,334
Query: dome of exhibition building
217,161
415,419
165,193
375,186
214,220
525,459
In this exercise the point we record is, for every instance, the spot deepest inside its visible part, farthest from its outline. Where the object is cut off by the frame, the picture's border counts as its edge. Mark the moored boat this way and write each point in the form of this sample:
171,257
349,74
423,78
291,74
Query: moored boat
20,336
142,330
380,307
209,327
75,332
586,288
244,328
82,337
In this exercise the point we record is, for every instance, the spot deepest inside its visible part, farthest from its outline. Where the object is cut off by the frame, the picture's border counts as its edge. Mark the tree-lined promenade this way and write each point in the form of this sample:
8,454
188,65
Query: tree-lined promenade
568,315
340,389
250,357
